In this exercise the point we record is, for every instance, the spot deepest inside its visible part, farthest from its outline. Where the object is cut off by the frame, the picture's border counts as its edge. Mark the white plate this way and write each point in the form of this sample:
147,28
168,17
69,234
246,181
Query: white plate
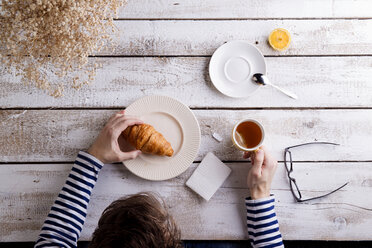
232,66
178,125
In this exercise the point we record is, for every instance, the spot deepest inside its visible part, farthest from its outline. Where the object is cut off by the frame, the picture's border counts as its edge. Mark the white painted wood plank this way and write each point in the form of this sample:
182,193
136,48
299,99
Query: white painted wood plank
318,81
309,37
57,135
220,9
345,215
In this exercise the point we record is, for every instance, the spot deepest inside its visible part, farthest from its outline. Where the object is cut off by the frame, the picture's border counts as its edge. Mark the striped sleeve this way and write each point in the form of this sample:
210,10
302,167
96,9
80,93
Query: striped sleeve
65,220
263,226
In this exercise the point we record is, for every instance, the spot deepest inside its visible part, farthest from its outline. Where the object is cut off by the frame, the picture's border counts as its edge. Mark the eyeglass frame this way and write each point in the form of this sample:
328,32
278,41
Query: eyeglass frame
293,180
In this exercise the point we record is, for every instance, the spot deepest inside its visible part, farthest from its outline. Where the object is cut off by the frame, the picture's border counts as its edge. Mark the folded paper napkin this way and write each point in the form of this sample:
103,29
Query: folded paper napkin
209,176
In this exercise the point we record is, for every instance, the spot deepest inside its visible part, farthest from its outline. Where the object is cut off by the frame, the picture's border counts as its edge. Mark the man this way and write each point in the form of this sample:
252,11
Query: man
142,220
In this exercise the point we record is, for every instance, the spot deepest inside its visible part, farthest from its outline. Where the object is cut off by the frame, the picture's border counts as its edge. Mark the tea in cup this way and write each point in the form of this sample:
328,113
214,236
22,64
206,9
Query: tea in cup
248,135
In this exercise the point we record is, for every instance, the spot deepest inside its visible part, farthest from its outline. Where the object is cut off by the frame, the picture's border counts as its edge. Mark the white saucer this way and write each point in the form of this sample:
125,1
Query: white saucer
232,66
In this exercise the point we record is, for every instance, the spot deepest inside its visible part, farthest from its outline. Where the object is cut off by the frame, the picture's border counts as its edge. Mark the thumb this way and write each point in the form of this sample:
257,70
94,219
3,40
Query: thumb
129,155
257,163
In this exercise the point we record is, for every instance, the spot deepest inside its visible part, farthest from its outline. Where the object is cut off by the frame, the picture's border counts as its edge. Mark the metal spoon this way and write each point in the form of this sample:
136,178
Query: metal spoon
259,78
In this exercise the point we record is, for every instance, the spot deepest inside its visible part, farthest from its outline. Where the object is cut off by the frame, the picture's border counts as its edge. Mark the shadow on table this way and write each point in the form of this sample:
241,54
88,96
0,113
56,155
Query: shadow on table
234,244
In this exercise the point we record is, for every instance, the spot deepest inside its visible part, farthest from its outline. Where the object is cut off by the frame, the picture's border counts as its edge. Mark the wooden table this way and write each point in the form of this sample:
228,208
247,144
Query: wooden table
164,47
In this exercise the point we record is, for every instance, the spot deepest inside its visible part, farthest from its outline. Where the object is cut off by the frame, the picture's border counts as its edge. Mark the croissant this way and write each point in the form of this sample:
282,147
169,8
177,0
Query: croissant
144,137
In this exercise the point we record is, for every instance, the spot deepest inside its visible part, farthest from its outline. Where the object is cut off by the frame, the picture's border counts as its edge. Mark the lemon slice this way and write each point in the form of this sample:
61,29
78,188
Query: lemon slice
279,39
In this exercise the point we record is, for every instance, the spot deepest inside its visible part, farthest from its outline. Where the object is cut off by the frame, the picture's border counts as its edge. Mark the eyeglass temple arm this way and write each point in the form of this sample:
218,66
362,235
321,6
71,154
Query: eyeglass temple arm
310,143
300,200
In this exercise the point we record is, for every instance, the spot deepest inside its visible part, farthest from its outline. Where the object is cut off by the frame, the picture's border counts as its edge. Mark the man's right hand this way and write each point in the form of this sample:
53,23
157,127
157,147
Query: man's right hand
261,173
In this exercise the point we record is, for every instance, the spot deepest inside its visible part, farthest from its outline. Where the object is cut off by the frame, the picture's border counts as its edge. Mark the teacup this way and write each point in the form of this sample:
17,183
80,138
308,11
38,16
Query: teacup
248,135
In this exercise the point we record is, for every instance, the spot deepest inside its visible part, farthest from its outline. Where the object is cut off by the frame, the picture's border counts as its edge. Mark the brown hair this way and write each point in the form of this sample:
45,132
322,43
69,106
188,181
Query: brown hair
139,220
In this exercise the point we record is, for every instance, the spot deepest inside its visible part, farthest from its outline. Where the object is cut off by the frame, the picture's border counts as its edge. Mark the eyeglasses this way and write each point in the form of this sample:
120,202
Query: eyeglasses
292,182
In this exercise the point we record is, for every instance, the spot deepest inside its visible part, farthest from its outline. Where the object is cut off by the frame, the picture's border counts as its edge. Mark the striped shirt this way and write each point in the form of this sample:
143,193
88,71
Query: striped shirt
263,226
66,218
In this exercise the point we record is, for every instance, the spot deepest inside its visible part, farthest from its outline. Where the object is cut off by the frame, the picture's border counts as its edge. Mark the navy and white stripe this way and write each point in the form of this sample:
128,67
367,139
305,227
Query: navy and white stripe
262,223
66,218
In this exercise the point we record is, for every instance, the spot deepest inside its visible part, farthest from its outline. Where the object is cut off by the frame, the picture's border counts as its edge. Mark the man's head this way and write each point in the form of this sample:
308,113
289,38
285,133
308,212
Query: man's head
140,220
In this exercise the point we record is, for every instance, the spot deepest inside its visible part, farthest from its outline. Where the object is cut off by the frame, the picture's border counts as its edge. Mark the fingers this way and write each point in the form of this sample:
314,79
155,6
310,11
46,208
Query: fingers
247,155
116,115
121,118
123,123
251,155
119,115
129,155
269,161
257,162
259,157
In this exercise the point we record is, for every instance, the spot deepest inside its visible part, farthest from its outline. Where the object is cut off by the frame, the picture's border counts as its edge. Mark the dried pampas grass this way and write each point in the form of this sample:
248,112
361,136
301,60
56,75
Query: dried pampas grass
48,42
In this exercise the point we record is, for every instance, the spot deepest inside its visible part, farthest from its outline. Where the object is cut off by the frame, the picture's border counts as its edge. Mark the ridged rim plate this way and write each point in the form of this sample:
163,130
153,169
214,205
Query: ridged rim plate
178,125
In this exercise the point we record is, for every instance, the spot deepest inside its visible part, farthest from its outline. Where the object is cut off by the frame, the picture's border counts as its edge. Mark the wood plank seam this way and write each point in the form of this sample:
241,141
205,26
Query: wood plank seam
243,19
198,161
194,108
209,56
